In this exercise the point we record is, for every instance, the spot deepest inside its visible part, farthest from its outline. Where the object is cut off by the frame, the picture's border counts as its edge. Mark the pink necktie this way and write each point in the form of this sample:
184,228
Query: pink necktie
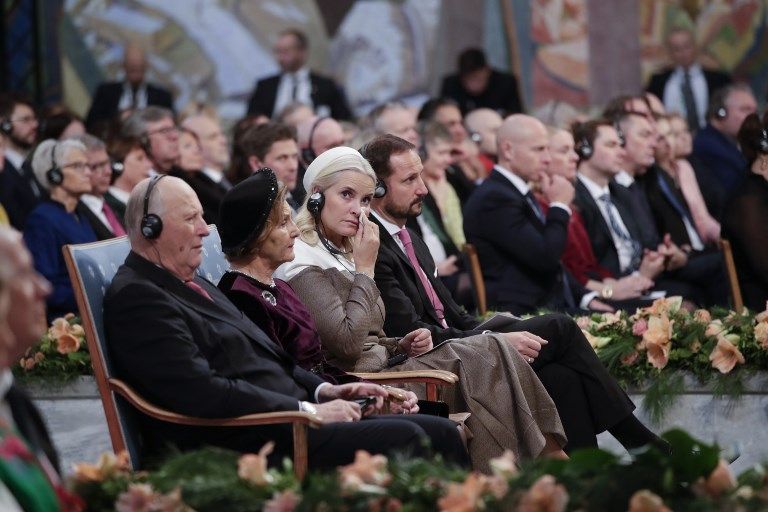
114,224
199,289
405,237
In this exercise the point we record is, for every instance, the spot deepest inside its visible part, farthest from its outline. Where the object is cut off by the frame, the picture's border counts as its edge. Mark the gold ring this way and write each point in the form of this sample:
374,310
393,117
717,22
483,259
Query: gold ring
530,359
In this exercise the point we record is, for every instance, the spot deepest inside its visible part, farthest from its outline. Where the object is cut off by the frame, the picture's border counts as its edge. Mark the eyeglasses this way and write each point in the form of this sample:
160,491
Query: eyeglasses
25,119
103,166
165,132
78,166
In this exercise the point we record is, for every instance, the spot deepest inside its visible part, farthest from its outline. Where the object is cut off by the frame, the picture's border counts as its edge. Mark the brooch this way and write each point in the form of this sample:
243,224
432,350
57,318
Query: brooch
267,296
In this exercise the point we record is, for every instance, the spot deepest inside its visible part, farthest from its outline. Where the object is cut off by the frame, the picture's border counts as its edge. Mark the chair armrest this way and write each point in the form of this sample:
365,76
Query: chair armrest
439,377
266,418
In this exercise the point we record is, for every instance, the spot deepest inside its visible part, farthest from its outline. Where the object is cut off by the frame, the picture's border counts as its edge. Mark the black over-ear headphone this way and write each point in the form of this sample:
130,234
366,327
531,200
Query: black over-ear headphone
151,223
316,200
584,148
308,154
620,133
54,174
6,126
762,144
117,168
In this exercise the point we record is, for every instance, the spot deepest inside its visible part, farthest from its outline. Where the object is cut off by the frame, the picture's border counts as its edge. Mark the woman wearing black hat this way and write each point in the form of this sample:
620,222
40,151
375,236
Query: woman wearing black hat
519,416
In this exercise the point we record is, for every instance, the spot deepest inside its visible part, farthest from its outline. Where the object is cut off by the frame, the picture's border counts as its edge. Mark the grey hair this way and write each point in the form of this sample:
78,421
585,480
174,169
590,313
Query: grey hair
50,153
91,142
135,125
134,211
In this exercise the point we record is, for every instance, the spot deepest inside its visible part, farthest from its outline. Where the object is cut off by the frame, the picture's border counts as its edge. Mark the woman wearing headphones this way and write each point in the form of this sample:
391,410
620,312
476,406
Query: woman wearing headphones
130,165
332,274
61,168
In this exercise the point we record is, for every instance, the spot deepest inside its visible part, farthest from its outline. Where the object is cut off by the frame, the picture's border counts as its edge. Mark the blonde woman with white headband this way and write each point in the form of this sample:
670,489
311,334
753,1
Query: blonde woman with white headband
333,272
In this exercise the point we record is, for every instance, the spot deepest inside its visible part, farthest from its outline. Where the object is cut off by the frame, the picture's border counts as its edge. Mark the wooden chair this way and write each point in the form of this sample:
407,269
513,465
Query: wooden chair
733,278
476,274
91,269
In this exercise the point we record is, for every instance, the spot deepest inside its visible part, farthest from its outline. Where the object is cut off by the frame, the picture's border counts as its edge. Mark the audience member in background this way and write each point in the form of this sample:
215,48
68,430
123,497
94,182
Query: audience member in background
293,114
715,145
214,145
684,180
130,165
274,145
342,297
744,222
189,169
238,167
62,170
587,398
685,87
318,135
131,93
477,85
61,124
29,473
93,205
466,169
159,136
579,257
519,247
396,119
162,320
19,191
654,104
296,83
483,123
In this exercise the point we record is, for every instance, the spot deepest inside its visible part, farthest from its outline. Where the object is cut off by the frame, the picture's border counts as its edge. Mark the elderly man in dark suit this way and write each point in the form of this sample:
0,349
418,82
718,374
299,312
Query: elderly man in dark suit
132,93
296,83
180,342
686,87
587,398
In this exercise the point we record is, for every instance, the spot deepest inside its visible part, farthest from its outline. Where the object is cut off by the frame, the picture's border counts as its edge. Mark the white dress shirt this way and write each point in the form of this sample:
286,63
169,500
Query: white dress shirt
126,99
96,205
673,92
285,90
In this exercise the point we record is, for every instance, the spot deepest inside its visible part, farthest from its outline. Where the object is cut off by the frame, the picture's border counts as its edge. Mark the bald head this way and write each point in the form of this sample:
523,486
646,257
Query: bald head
134,64
320,134
485,123
523,146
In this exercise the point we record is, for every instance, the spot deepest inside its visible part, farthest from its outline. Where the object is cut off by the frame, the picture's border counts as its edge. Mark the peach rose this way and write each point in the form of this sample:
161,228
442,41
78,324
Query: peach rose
39,356
639,327
646,501
142,497
59,327
504,466
27,363
702,316
366,470
77,330
761,334
665,305
67,343
253,468
726,355
607,319
108,465
285,501
545,495
719,481
763,315
463,497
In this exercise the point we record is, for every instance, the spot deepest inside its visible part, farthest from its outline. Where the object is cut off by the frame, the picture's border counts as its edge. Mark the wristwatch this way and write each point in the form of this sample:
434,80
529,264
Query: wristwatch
606,292
307,407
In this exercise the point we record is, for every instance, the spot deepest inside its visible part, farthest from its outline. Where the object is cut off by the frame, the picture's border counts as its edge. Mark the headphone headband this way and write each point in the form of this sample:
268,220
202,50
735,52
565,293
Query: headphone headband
151,223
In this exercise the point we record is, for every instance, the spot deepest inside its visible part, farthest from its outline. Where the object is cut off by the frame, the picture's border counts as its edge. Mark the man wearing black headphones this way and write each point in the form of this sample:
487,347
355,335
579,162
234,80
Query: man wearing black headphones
156,128
19,191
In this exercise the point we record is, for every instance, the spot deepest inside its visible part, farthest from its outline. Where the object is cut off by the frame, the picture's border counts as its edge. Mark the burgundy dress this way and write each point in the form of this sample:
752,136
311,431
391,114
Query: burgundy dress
281,314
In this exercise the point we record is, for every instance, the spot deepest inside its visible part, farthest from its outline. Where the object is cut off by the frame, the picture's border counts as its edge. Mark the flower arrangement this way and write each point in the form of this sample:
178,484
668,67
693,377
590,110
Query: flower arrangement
653,345
60,355
691,478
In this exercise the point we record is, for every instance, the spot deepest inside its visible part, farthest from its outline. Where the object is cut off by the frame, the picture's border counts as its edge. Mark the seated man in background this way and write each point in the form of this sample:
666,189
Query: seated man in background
94,206
183,345
483,123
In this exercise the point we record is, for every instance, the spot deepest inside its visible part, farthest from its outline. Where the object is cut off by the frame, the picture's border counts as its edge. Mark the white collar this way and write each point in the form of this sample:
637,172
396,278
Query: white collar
120,194
213,174
95,203
595,190
516,180
624,179
15,158
306,255
392,229
694,70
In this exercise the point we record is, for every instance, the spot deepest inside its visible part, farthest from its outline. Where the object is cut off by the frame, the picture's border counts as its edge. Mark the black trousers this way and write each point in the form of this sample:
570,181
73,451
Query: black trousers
588,399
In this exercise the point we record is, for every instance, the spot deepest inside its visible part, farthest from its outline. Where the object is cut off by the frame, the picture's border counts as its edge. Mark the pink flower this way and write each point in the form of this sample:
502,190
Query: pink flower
714,328
761,334
285,501
253,468
646,501
545,495
365,471
630,359
718,482
58,328
702,316
463,497
725,356
143,498
640,327
108,465
66,343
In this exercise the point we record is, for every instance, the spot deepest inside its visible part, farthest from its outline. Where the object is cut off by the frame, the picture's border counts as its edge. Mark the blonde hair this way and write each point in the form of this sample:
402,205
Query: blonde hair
327,177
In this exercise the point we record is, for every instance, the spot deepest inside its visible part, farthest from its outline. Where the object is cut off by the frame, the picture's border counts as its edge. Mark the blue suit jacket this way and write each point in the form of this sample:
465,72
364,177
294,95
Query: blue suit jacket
520,255
721,156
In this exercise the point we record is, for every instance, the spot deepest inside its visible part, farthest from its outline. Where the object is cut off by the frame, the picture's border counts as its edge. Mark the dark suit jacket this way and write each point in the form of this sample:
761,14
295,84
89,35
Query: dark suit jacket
197,357
102,231
597,228
17,194
106,100
715,80
324,92
30,424
208,191
721,156
668,220
502,94
636,202
520,256
405,300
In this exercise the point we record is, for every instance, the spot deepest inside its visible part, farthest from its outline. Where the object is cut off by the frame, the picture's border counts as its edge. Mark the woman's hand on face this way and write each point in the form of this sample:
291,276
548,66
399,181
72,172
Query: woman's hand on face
365,244
416,342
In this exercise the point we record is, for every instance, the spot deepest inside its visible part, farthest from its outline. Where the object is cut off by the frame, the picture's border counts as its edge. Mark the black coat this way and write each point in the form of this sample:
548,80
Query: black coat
501,94
324,92
18,195
106,100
